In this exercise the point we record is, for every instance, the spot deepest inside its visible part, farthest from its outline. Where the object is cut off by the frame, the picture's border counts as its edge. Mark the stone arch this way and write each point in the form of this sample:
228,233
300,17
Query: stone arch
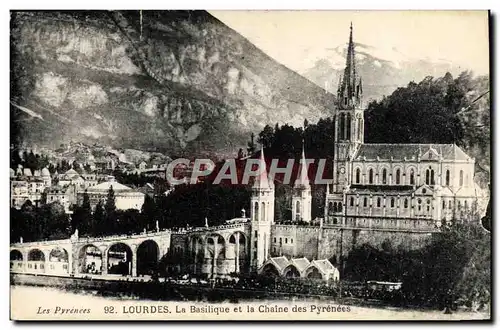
36,260
270,270
148,253
16,260
119,259
58,254
90,259
16,255
291,272
242,238
313,272
58,261
36,255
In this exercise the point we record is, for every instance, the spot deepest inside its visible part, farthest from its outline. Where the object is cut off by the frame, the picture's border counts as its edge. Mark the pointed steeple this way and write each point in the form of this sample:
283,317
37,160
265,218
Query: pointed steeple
261,180
303,177
349,90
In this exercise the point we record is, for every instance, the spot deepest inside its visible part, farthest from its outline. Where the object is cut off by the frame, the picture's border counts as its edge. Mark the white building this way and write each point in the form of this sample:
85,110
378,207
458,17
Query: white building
125,197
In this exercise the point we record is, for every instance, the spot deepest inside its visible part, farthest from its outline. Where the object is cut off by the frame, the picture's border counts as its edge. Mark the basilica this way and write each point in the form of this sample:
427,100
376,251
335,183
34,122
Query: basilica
380,192
396,194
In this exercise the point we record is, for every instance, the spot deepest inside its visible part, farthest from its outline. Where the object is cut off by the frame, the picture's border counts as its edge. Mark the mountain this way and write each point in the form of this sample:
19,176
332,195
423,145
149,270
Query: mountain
180,82
382,70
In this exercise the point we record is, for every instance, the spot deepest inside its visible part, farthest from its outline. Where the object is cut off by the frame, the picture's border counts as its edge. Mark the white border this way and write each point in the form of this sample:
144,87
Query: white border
191,4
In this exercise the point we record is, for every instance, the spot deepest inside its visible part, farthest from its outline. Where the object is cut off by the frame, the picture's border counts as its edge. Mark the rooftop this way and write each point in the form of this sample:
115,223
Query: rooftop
409,151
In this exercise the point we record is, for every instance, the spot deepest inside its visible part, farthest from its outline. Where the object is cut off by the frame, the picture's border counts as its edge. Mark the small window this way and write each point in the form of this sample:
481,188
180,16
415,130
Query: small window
291,240
406,203
352,201
286,240
379,201
365,202
392,202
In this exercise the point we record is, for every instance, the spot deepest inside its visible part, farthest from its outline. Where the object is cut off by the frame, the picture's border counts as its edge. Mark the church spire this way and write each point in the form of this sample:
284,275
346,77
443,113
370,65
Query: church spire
349,88
303,177
261,179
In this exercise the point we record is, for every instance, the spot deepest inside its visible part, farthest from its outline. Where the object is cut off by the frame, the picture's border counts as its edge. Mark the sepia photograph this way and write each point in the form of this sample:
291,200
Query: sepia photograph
250,165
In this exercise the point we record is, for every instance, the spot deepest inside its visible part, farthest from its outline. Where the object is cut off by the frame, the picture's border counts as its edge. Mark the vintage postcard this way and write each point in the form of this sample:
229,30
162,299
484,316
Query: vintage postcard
250,165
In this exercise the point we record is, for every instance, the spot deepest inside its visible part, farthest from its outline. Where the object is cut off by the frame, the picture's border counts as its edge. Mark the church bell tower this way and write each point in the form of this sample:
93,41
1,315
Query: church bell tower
262,215
349,133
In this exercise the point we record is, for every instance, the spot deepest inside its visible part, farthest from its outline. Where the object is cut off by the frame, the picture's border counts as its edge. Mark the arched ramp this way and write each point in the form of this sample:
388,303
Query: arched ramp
148,253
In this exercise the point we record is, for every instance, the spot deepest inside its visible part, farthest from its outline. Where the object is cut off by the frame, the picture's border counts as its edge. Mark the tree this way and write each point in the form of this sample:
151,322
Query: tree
148,213
99,220
251,145
241,154
266,137
110,211
82,217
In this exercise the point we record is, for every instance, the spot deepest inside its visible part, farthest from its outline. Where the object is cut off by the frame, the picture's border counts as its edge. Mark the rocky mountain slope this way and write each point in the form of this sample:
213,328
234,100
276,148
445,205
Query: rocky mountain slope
382,70
179,82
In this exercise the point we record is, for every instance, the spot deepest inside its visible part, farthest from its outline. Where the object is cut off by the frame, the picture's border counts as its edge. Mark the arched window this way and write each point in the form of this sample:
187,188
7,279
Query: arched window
330,208
370,176
398,176
297,210
449,204
264,218
365,202
335,209
352,201
256,212
412,177
419,204
432,178
384,176
447,177
339,207
459,205
465,205
444,204
359,128
392,202
342,126
358,175
406,203
379,201
428,205
348,127
427,177
461,178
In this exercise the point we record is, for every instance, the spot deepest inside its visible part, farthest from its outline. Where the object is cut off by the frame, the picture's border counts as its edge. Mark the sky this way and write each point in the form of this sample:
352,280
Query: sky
298,39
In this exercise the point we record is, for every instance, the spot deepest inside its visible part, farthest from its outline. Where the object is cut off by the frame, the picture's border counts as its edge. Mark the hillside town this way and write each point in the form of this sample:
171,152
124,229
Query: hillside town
44,176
